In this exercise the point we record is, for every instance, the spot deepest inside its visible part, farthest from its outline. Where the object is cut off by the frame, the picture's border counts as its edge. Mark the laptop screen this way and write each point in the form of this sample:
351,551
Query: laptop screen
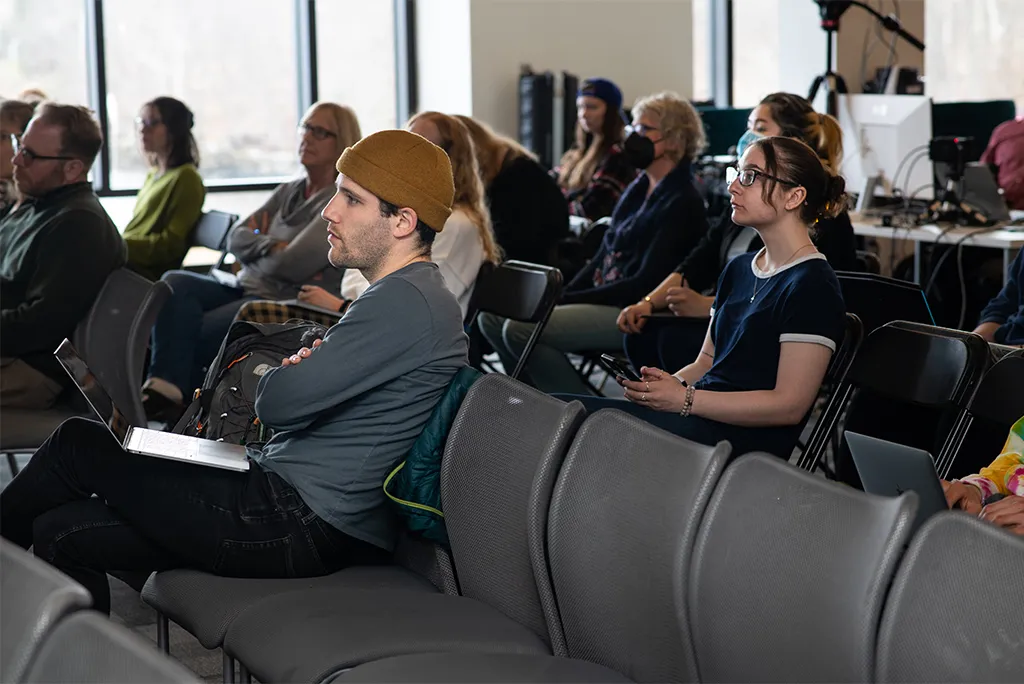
93,391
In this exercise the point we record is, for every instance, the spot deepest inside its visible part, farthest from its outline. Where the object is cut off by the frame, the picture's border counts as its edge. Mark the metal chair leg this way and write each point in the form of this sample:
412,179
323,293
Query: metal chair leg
163,633
228,671
12,463
243,674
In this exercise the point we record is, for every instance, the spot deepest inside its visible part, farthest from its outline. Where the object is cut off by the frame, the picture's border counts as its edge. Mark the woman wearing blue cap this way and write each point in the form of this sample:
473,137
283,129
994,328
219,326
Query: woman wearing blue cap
594,172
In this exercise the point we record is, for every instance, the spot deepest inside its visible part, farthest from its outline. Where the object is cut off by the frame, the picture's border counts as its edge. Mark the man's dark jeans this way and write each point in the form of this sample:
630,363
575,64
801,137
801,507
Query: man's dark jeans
155,514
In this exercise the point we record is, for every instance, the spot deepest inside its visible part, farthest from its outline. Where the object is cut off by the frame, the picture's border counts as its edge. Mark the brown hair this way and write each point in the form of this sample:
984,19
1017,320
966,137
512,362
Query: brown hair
80,133
469,188
17,112
793,161
492,150
678,122
797,119
580,162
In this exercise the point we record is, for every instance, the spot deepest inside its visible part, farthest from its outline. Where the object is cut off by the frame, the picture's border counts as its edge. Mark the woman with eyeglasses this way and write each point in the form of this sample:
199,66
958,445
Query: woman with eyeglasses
170,200
655,224
280,248
594,172
465,243
777,318
682,302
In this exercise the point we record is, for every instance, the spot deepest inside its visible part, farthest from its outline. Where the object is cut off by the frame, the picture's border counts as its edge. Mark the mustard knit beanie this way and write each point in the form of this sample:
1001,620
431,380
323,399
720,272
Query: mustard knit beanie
406,170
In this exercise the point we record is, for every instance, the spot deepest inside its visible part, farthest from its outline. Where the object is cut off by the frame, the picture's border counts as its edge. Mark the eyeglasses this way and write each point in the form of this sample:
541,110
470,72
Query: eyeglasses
748,177
318,132
147,123
640,129
29,156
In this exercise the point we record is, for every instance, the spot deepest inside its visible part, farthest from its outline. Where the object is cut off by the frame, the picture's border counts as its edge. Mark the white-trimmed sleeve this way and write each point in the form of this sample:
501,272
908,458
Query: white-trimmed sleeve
808,339
813,311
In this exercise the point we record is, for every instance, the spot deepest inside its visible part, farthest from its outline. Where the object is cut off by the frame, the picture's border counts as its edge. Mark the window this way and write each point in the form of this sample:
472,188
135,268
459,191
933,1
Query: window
233,62
702,50
755,50
974,51
42,45
355,51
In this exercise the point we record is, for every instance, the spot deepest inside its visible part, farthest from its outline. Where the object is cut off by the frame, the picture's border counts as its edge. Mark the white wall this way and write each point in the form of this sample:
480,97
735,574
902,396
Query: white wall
643,45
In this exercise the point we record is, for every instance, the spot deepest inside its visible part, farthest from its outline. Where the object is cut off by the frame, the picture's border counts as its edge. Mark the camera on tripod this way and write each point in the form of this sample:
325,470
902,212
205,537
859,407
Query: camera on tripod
955,152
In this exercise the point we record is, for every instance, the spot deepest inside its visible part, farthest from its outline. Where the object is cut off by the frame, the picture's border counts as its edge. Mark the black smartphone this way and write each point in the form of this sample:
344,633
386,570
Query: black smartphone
620,369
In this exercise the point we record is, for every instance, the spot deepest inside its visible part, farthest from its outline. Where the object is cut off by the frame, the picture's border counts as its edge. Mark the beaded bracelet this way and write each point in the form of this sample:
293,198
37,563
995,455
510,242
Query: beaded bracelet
688,402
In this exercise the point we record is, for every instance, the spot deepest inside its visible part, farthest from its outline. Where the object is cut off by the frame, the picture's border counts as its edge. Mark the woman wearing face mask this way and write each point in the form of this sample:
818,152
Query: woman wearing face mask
775,322
171,198
656,223
672,338
594,172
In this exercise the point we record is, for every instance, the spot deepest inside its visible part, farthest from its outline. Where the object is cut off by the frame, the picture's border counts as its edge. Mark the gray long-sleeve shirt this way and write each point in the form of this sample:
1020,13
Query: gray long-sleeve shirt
288,216
350,411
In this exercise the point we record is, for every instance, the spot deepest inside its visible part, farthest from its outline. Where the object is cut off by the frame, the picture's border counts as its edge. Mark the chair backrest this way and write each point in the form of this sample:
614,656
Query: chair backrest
522,292
499,466
955,612
623,517
789,572
212,230
835,376
90,649
34,597
114,336
997,404
910,383
878,300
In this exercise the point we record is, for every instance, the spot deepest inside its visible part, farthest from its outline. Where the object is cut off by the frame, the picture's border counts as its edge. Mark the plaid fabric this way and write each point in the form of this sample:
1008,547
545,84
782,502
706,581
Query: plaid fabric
599,198
268,311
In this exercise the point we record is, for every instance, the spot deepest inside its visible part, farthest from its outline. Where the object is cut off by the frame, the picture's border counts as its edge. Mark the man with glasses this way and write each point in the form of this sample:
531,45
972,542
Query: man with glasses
56,250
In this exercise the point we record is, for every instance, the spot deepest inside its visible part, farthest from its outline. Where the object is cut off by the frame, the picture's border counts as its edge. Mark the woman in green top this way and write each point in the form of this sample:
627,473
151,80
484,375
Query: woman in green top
171,198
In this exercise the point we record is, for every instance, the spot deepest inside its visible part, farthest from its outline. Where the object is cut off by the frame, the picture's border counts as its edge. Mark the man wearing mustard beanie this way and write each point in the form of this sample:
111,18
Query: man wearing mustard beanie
344,413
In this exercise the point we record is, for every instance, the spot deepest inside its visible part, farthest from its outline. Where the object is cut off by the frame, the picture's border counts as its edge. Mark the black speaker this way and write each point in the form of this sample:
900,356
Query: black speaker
536,123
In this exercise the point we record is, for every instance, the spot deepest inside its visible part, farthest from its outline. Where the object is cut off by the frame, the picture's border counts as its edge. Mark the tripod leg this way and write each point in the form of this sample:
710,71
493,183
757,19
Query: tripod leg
815,85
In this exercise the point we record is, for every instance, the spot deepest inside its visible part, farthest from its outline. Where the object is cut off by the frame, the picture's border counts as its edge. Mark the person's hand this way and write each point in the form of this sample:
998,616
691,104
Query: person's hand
656,389
962,495
987,331
630,320
296,358
318,296
277,248
1008,513
682,301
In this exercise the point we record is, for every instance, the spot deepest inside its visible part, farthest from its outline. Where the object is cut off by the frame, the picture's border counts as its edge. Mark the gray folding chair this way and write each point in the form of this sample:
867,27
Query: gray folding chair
499,466
955,612
112,339
624,515
87,648
34,596
789,573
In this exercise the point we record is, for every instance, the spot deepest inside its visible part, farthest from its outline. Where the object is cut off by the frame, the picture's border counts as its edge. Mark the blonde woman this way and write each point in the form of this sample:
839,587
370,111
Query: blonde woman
528,209
467,240
656,223
281,247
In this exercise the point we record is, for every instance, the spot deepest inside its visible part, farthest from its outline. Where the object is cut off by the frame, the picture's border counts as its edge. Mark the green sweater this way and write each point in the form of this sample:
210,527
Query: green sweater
166,210
56,252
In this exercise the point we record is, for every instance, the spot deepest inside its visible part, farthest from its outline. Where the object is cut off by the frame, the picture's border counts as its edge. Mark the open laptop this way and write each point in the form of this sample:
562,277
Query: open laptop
981,192
141,441
889,469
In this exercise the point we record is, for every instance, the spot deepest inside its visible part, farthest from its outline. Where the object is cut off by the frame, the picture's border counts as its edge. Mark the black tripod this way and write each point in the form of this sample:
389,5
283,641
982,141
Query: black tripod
831,10
833,82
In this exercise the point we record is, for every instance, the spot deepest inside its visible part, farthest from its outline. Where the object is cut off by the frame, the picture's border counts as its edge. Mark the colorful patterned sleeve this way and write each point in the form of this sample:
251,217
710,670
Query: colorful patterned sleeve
1005,475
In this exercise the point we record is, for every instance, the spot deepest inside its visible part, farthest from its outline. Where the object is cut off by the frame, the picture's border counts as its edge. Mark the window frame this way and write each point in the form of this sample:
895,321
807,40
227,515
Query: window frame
308,90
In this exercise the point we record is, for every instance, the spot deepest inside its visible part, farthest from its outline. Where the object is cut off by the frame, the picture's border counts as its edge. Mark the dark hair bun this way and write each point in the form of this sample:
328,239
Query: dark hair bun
835,199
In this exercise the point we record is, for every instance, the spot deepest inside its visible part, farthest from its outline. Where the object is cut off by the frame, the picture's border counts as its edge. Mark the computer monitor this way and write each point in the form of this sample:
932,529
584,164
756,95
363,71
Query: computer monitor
883,135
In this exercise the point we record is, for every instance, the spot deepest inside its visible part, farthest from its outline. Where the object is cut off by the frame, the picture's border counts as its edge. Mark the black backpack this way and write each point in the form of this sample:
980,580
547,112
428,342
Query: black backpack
224,409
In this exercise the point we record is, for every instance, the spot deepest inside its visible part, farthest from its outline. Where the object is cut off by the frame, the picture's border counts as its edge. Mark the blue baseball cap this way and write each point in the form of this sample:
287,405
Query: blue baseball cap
602,89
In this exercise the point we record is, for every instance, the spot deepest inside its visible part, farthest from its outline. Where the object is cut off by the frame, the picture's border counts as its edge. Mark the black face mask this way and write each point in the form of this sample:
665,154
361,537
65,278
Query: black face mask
639,150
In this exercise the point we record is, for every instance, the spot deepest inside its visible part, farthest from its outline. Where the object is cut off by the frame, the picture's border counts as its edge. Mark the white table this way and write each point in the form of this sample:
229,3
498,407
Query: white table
1009,241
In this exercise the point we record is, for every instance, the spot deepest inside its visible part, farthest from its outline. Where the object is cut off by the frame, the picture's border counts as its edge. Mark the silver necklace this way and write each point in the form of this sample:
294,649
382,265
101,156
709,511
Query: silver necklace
773,272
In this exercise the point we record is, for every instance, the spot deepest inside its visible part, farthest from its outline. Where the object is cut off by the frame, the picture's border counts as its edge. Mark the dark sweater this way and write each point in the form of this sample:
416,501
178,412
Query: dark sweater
529,212
56,252
1007,309
833,237
647,237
